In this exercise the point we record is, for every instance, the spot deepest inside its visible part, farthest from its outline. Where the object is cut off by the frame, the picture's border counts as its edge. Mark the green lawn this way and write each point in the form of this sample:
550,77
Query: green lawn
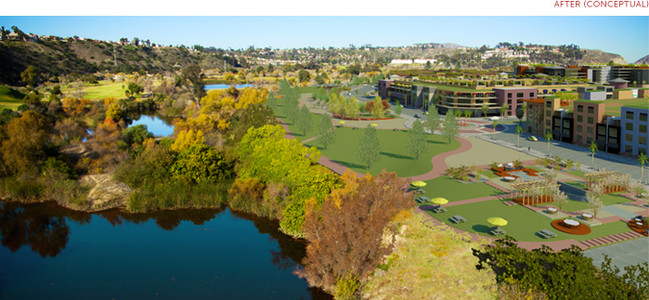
454,190
523,223
577,173
104,89
394,155
10,98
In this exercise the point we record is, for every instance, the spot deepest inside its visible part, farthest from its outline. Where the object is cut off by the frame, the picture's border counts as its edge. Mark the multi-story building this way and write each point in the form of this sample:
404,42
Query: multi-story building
634,125
587,114
513,96
598,74
633,74
608,135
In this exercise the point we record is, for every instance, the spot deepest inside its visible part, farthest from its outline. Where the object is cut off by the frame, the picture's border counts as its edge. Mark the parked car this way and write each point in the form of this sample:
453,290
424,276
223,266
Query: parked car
532,138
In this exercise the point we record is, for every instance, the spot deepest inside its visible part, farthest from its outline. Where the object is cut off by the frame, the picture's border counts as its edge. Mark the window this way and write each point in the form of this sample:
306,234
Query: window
548,123
642,150
629,126
579,128
628,148
590,120
601,138
509,95
642,128
591,109
629,115
643,117
566,132
589,140
548,104
532,95
519,95
579,139
628,138
580,108
612,133
642,140
589,130
580,118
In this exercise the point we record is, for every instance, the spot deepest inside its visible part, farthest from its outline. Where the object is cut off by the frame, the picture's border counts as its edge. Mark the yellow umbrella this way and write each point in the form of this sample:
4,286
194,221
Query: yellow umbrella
374,124
439,200
497,221
341,122
418,184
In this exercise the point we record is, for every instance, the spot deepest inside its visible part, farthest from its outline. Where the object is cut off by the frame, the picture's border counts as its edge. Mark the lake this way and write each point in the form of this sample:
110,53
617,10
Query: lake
225,86
49,252
155,125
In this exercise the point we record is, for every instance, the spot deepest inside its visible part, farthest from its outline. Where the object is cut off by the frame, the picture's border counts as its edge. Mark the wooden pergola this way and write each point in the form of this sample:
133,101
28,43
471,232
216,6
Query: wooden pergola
534,192
611,180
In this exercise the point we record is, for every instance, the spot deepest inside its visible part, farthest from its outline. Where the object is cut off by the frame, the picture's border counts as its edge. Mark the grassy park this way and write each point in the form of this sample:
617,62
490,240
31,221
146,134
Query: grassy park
453,190
394,155
523,223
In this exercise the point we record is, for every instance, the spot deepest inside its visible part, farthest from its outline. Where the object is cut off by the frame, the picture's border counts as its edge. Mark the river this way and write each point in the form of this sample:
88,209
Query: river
52,252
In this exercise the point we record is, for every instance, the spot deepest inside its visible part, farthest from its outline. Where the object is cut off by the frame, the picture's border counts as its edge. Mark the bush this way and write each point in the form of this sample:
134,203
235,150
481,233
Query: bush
151,167
174,195
21,188
201,163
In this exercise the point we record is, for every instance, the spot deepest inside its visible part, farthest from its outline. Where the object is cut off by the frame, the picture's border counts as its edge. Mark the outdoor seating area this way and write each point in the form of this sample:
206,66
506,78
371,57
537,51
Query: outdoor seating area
640,225
457,219
586,216
506,170
552,210
439,210
497,231
547,234
422,199
571,226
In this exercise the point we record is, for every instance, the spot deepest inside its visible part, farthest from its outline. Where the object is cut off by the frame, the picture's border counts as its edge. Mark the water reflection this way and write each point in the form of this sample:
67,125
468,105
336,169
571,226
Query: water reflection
42,227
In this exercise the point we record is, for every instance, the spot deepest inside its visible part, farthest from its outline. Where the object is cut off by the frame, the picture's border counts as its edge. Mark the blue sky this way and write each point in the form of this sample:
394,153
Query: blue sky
627,36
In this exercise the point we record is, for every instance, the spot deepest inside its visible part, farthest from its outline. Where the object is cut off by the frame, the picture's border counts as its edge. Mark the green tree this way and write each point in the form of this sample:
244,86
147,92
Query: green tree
397,108
417,142
326,132
369,148
304,120
494,124
548,138
193,77
524,107
134,136
519,115
504,109
519,129
201,163
304,76
485,109
432,119
593,148
29,76
376,107
642,160
450,130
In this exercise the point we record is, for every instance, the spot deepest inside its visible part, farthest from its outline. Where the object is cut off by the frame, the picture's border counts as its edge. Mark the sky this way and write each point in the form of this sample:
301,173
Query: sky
624,35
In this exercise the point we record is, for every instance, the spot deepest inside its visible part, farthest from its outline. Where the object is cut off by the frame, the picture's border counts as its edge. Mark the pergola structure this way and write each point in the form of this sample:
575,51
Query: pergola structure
534,192
611,181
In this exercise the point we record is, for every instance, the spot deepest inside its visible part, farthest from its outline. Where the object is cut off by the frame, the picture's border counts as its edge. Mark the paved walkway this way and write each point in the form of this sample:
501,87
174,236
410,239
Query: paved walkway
439,164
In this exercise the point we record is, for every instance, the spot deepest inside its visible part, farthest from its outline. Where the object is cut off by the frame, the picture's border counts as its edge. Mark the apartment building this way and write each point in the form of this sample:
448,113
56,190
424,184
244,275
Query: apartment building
587,114
634,125
513,96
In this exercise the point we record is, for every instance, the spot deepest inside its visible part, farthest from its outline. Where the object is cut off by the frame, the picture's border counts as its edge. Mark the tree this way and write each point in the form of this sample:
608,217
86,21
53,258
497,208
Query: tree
304,120
326,132
524,108
450,130
432,119
519,129
397,108
304,76
548,138
29,76
485,109
417,139
494,124
369,148
642,160
593,148
192,75
595,193
375,107
504,109
346,234
428,65
201,163
27,139
519,115
560,199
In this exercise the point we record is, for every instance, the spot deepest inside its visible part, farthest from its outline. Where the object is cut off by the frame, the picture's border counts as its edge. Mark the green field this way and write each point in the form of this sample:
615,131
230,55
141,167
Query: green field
394,155
615,110
522,224
574,205
10,98
454,190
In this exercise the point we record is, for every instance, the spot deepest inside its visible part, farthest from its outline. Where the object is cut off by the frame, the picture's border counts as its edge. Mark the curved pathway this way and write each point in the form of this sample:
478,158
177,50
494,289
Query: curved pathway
439,166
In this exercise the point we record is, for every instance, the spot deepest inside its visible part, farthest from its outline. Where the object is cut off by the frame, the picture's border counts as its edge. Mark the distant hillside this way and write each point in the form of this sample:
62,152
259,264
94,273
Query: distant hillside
600,57
644,60
64,57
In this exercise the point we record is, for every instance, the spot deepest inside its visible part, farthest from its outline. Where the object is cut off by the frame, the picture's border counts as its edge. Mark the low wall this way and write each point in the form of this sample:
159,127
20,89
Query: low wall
573,192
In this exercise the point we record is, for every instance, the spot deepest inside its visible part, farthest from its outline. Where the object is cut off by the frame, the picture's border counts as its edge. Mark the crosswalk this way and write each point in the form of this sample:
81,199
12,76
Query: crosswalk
610,239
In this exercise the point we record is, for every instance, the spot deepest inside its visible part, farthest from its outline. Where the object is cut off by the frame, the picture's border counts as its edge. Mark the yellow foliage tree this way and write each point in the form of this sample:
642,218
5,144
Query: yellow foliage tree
187,138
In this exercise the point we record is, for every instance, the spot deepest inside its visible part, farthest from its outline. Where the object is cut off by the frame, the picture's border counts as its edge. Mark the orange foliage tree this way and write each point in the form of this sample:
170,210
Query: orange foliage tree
345,234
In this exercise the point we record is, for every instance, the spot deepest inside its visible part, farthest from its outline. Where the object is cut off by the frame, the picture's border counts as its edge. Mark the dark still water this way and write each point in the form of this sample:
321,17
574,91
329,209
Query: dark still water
49,252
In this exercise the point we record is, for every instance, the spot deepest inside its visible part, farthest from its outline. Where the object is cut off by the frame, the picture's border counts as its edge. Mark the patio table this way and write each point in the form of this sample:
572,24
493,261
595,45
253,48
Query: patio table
552,210
571,223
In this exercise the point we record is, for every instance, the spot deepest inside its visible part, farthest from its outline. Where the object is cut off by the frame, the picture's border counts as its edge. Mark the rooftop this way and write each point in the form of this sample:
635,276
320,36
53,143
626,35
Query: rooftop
638,106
